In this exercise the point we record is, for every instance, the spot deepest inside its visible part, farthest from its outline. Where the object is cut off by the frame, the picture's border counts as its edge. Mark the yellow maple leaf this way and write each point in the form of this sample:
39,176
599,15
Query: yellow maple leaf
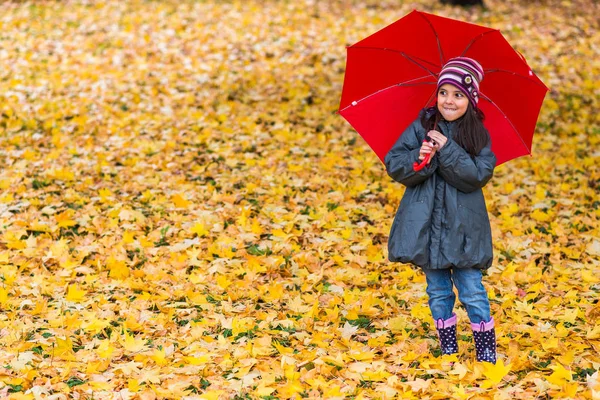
508,188
570,315
37,226
63,349
421,312
59,248
281,349
377,376
128,237
572,252
159,357
180,201
13,239
196,360
566,358
75,294
569,390
458,392
332,391
131,344
117,269
105,350
560,375
549,344
101,385
589,276
243,218
223,281
63,174
133,385
211,395
65,219
332,313
338,360
97,367
411,356
255,264
592,334
3,298
540,216
353,313
68,263
290,389
378,341
199,229
297,305
104,194
262,390
541,192
256,228
263,346
495,372
459,369
239,325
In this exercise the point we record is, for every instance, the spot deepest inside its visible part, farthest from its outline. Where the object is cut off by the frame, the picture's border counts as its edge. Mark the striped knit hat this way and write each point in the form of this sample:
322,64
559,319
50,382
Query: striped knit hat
464,73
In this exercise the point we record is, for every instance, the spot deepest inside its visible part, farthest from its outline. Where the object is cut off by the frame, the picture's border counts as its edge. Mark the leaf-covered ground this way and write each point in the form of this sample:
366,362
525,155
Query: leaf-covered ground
183,215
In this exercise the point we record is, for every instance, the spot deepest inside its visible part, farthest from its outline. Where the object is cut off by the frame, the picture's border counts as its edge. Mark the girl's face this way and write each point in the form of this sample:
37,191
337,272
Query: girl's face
451,102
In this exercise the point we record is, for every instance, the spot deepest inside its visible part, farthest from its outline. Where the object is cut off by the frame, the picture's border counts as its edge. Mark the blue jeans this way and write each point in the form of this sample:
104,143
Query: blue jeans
471,293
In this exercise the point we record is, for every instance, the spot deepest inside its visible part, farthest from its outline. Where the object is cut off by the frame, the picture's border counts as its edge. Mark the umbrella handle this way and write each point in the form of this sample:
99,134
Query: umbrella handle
417,167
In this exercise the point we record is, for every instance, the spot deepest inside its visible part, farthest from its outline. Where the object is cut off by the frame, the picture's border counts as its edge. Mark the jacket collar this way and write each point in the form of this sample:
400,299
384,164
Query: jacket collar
447,127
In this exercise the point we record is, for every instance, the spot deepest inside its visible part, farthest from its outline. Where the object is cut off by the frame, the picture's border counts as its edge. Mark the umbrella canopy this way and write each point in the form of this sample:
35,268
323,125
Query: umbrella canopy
392,75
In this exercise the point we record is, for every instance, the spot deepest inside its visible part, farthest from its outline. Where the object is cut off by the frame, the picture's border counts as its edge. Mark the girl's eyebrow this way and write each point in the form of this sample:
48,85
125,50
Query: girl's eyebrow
451,91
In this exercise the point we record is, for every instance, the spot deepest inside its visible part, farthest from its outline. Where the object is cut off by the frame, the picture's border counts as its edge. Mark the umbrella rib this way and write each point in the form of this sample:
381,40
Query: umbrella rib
476,39
403,54
516,74
509,121
407,83
437,38
431,98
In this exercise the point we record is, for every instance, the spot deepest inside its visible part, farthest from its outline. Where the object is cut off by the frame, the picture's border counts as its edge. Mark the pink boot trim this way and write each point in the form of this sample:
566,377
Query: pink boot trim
441,324
483,326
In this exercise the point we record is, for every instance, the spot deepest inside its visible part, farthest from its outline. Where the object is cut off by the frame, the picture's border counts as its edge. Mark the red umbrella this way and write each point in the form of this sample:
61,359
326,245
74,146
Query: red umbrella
392,75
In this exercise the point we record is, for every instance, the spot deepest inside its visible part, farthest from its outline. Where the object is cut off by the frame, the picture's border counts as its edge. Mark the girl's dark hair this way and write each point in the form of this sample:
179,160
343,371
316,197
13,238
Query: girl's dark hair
470,133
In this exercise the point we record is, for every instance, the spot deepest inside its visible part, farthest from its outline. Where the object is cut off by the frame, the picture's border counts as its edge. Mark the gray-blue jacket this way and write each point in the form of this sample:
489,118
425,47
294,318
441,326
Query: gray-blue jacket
442,220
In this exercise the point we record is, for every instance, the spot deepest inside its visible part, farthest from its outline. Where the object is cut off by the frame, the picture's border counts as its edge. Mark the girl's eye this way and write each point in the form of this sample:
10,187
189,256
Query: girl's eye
459,95
443,92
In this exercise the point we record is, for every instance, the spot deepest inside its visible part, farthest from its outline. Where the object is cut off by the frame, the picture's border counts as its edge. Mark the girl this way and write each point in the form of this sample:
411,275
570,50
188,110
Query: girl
442,224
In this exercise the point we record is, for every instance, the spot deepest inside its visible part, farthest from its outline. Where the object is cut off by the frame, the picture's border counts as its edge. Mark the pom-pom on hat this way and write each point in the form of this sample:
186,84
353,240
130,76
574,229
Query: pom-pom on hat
464,73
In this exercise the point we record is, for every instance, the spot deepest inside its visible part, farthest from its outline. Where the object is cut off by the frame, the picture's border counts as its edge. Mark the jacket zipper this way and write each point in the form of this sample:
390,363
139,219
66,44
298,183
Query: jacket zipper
448,135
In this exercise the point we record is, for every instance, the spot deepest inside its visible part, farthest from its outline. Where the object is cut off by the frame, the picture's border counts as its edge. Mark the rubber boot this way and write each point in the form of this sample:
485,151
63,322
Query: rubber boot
484,334
447,333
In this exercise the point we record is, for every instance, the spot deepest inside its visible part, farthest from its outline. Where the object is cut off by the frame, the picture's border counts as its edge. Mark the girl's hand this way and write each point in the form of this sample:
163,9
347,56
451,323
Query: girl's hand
439,139
426,148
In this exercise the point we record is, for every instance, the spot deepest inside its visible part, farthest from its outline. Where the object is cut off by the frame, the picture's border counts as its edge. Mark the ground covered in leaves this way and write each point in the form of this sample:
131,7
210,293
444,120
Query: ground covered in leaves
184,215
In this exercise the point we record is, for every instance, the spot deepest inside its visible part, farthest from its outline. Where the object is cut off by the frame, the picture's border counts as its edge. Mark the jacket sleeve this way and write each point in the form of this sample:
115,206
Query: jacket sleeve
460,170
399,160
